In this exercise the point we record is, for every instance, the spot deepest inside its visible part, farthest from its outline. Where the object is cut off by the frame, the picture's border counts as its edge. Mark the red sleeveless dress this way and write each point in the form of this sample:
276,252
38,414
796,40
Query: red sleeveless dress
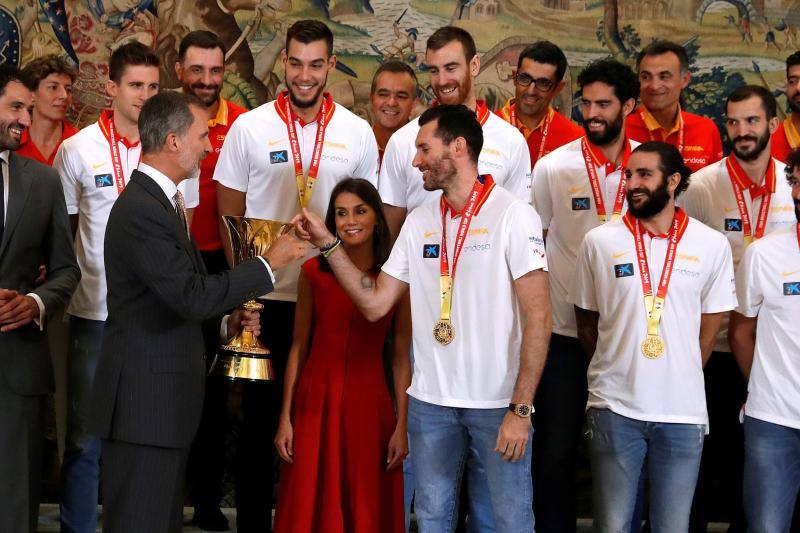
343,418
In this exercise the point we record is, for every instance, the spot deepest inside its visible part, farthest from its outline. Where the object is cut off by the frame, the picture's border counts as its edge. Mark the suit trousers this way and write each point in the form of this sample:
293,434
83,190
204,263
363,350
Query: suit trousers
21,446
142,487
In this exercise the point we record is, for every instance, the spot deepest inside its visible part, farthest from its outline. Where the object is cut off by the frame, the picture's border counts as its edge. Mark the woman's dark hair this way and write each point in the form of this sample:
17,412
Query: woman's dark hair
381,245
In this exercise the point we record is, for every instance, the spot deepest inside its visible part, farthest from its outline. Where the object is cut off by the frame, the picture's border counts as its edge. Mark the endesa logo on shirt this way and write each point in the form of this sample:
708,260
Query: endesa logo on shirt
623,270
280,156
103,180
792,288
733,224
580,204
430,251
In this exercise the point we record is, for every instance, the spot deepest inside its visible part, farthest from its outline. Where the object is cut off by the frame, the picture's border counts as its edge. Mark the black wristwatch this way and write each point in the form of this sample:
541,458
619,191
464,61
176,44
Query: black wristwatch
521,409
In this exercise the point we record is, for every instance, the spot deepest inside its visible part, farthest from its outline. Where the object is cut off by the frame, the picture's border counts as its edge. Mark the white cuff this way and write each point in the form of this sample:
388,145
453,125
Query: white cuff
40,321
269,269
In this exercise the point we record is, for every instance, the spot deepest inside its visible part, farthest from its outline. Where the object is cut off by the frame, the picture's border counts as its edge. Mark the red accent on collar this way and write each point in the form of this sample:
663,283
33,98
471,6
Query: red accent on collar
600,159
769,180
488,186
280,107
630,221
107,115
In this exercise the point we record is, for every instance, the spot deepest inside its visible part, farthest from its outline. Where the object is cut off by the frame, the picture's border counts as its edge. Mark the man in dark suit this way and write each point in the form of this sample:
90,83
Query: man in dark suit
148,389
33,226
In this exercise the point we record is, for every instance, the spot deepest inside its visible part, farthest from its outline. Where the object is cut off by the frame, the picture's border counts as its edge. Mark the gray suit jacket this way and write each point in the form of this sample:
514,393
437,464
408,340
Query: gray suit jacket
36,229
148,388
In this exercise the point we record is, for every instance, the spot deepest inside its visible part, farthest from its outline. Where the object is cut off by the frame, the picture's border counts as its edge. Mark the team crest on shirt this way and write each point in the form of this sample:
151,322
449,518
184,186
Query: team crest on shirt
279,156
580,204
103,180
733,224
623,270
792,288
430,251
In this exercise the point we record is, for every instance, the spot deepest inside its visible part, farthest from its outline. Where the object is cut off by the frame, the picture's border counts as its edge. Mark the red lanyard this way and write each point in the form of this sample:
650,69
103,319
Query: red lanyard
108,128
482,111
737,177
305,184
545,127
664,138
594,181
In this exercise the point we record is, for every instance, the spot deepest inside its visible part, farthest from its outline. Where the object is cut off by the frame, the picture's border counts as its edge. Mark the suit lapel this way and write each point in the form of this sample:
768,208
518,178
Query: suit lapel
158,193
19,186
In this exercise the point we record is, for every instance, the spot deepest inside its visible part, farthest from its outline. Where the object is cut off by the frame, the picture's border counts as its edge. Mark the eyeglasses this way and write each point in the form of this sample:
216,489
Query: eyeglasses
542,84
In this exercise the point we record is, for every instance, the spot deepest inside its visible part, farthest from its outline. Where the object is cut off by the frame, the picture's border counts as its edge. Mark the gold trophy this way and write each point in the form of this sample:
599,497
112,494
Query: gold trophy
244,357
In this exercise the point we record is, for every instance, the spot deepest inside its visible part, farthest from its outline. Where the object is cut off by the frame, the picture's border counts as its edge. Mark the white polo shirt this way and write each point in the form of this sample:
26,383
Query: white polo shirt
768,284
479,368
711,200
84,164
563,198
256,159
504,155
670,388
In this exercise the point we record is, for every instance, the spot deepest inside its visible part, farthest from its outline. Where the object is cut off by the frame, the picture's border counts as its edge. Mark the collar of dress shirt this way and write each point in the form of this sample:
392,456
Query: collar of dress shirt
166,184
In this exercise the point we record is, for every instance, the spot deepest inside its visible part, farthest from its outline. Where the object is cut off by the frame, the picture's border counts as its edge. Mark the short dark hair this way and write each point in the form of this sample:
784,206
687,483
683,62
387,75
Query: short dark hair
166,112
397,67
670,161
131,54
447,34
308,31
659,48
200,39
547,53
792,60
8,73
38,69
792,162
456,121
746,92
614,74
381,241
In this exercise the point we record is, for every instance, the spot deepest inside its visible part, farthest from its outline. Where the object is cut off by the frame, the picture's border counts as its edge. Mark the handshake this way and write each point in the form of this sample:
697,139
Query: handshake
309,227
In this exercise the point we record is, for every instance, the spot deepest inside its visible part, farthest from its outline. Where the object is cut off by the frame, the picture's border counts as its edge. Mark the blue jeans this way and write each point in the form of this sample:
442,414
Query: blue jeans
771,475
81,467
444,441
618,447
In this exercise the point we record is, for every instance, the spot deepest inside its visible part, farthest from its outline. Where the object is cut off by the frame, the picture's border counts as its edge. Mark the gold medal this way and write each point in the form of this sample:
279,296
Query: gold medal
653,347
443,332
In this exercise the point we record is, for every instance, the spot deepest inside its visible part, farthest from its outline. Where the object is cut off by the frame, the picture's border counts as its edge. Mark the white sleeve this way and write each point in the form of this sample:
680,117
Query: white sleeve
540,197
719,292
233,169
367,167
397,264
190,189
524,244
392,182
694,200
70,179
518,181
583,292
748,287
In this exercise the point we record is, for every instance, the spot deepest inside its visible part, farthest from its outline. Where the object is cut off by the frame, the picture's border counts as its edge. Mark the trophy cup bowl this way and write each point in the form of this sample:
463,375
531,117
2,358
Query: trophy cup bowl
245,357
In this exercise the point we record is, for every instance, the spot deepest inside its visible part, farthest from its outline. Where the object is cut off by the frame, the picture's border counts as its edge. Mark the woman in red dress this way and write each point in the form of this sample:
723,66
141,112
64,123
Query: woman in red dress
340,438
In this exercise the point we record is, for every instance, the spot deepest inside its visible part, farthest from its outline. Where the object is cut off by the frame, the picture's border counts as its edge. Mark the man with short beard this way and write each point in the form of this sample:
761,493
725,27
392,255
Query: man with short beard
577,187
649,293
285,155
743,198
787,137
200,68
95,166
764,341
453,64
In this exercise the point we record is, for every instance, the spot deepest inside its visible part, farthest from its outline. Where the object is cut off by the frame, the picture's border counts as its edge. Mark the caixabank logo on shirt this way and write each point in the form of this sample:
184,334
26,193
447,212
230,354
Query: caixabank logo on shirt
733,224
430,251
791,288
623,270
580,204
103,180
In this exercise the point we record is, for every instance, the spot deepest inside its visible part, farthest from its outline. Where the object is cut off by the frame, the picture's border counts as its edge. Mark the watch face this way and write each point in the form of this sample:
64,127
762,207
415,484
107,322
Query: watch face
523,410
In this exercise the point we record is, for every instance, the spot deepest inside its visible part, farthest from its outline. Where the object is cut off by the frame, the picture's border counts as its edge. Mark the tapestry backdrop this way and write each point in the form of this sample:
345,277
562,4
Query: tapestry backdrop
730,41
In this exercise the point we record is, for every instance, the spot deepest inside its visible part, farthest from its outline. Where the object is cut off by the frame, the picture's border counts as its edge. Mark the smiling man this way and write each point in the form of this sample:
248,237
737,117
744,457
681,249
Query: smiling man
284,155
787,137
453,64
663,75
538,80
393,96
743,198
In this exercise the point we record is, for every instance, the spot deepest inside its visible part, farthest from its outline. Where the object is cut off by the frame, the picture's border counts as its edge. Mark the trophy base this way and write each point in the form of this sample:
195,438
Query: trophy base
243,366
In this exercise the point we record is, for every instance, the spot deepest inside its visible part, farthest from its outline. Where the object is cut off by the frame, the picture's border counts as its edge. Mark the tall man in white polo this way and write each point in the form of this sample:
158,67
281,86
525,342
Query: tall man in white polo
763,337
453,64
577,187
474,379
284,155
649,294
744,198
95,165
